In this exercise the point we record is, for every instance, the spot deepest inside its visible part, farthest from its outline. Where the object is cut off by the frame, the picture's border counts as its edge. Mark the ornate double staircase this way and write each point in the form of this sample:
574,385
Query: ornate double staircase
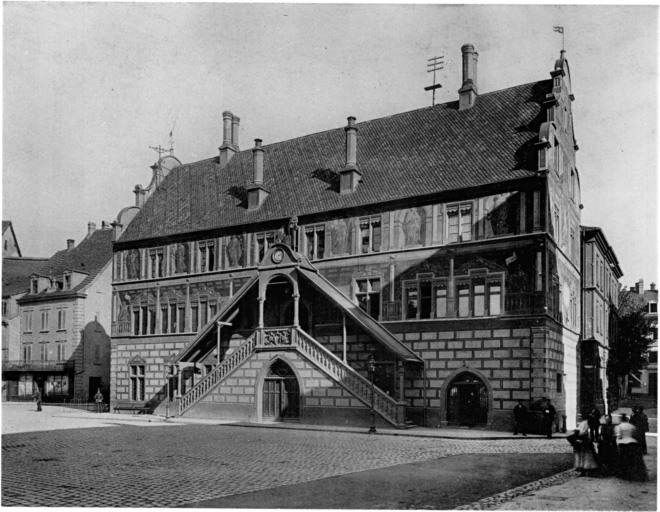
293,338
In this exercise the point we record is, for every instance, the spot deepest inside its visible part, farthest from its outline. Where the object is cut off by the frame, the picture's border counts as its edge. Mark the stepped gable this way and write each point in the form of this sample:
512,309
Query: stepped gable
16,274
425,151
90,257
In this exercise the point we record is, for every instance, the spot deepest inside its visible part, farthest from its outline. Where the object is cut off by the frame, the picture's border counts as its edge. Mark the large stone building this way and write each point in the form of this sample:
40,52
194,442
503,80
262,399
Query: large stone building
438,248
65,323
600,301
16,272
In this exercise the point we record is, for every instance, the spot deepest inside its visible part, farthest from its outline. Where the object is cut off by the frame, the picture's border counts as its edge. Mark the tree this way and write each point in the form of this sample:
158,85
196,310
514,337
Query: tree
628,353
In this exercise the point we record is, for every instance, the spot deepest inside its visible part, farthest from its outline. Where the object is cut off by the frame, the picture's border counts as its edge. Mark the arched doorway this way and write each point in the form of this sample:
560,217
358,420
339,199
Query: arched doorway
281,394
467,401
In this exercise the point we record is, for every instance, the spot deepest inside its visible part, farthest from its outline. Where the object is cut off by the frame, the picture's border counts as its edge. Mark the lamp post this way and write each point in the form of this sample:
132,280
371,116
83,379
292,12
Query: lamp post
372,370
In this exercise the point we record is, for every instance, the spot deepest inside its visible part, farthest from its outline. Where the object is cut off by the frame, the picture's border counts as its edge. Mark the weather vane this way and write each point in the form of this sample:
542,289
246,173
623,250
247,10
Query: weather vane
436,64
561,31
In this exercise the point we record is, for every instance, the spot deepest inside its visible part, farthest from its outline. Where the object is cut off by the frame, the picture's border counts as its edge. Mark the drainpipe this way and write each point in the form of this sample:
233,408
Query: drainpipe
424,410
343,334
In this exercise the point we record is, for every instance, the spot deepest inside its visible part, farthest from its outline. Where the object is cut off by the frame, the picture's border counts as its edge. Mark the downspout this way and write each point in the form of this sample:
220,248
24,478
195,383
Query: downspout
424,402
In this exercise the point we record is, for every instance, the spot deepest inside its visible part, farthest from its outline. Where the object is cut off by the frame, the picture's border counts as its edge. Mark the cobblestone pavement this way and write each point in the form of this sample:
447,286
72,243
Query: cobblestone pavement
131,466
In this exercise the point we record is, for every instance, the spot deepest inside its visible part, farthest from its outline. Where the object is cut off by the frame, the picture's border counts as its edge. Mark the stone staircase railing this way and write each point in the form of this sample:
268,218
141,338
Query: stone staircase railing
385,405
199,390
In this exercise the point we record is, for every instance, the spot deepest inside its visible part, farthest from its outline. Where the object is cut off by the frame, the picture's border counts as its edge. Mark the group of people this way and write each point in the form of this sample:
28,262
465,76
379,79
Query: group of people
520,418
614,450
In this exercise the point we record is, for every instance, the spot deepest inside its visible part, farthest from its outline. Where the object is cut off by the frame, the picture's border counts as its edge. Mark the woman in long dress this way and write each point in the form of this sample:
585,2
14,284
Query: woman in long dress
585,460
631,461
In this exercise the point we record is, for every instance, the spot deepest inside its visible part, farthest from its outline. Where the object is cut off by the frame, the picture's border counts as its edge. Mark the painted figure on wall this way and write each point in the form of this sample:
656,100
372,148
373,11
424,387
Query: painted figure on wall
133,264
338,233
234,251
497,218
411,227
178,259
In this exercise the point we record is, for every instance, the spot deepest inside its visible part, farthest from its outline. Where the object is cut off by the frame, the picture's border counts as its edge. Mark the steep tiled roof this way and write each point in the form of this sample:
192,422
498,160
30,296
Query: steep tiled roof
90,256
412,154
16,274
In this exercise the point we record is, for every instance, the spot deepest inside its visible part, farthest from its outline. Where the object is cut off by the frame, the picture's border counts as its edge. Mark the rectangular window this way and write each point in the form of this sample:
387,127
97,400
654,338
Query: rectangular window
367,295
28,321
315,241
181,318
653,357
370,234
204,313
479,297
206,256
172,318
425,299
412,303
163,320
136,321
213,309
560,382
152,319
494,298
459,222
44,352
194,317
653,307
441,301
44,320
144,319
463,298
27,352
61,319
4,308
137,382
61,351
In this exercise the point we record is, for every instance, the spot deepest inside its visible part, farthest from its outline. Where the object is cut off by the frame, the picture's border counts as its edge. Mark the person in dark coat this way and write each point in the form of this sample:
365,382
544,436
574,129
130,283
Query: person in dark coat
641,422
548,417
608,454
520,419
593,420
98,398
37,398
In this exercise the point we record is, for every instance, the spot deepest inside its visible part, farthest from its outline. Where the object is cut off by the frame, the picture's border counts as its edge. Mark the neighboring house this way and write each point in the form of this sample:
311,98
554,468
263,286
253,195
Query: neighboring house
65,322
9,243
435,250
16,274
645,383
600,301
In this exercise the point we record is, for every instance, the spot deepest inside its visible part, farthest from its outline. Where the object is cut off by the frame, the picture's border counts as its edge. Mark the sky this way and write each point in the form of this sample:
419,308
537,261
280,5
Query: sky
89,87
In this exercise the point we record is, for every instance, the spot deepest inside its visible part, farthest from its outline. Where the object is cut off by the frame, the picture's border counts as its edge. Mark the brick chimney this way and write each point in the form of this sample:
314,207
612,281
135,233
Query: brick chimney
229,139
652,286
70,244
91,227
467,94
257,193
640,287
350,175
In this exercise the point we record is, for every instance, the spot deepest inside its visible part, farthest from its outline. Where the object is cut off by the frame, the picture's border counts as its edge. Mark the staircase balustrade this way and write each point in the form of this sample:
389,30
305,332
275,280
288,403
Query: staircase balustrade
212,379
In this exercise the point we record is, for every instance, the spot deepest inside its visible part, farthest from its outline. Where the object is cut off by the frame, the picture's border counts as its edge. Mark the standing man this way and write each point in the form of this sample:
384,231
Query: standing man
98,397
548,417
593,420
520,419
37,398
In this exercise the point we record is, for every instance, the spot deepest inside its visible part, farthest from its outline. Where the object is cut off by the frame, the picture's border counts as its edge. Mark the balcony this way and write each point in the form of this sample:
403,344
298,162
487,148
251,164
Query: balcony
37,366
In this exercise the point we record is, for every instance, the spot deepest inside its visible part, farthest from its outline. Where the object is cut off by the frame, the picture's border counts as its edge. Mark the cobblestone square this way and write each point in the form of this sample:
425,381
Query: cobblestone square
174,465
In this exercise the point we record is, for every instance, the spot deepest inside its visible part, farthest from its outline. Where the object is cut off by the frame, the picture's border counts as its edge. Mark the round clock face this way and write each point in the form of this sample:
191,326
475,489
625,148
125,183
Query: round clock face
278,256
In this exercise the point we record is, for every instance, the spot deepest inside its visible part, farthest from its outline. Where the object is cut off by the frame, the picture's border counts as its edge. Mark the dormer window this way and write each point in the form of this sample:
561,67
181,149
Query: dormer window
67,281
653,307
459,222
34,285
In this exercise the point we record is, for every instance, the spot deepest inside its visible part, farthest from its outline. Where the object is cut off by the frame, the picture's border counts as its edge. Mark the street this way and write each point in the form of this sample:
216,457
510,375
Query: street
115,460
